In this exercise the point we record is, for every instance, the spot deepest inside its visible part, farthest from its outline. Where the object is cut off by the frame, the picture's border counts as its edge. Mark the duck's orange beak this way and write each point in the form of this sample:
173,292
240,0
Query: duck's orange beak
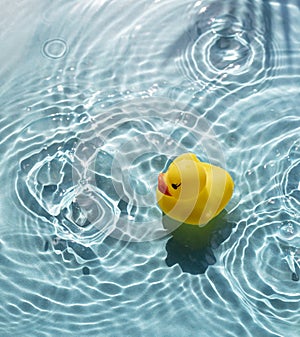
162,186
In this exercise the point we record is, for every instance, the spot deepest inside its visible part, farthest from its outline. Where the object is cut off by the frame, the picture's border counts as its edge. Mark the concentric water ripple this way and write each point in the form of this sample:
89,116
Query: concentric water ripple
225,49
223,55
262,259
99,181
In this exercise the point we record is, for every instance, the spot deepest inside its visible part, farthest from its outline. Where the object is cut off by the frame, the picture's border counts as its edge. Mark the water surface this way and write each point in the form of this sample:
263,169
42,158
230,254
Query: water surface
96,98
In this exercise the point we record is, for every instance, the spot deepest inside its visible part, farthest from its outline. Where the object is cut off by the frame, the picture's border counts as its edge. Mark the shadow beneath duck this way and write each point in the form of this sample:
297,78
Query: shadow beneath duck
191,247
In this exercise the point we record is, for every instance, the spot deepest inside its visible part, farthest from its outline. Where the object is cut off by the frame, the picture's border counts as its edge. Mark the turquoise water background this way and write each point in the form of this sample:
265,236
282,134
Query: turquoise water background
96,98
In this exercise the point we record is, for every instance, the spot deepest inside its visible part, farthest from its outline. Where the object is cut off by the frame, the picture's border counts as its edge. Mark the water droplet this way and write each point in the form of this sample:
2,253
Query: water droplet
55,241
287,230
295,277
83,182
85,271
55,48
46,247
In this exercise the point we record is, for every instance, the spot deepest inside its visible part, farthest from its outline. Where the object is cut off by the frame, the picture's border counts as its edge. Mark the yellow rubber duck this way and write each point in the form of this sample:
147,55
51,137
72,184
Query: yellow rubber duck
193,192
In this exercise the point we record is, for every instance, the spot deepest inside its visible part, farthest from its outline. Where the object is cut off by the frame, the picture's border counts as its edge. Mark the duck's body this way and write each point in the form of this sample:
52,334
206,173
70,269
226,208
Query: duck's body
193,192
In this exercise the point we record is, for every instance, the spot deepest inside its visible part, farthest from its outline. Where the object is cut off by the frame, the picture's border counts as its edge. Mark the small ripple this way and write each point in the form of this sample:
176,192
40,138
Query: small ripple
55,48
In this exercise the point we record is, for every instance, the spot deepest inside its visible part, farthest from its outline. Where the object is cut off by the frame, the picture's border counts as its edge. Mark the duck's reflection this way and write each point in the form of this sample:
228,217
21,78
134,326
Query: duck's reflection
192,247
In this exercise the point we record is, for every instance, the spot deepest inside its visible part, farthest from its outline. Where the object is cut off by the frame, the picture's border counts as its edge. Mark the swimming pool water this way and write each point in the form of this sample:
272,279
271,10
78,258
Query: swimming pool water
96,98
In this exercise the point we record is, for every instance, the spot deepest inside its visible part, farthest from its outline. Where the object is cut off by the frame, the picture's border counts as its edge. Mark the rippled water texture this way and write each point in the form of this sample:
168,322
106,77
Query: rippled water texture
97,97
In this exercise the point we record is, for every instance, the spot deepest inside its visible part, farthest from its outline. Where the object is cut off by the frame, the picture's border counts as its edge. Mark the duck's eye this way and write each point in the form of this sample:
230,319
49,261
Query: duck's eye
175,186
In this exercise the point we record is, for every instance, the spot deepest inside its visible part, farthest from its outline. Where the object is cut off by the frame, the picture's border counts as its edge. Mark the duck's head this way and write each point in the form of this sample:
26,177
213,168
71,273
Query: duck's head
183,177
180,185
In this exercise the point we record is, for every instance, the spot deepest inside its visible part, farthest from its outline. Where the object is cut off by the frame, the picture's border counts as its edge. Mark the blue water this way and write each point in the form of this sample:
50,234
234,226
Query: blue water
96,98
